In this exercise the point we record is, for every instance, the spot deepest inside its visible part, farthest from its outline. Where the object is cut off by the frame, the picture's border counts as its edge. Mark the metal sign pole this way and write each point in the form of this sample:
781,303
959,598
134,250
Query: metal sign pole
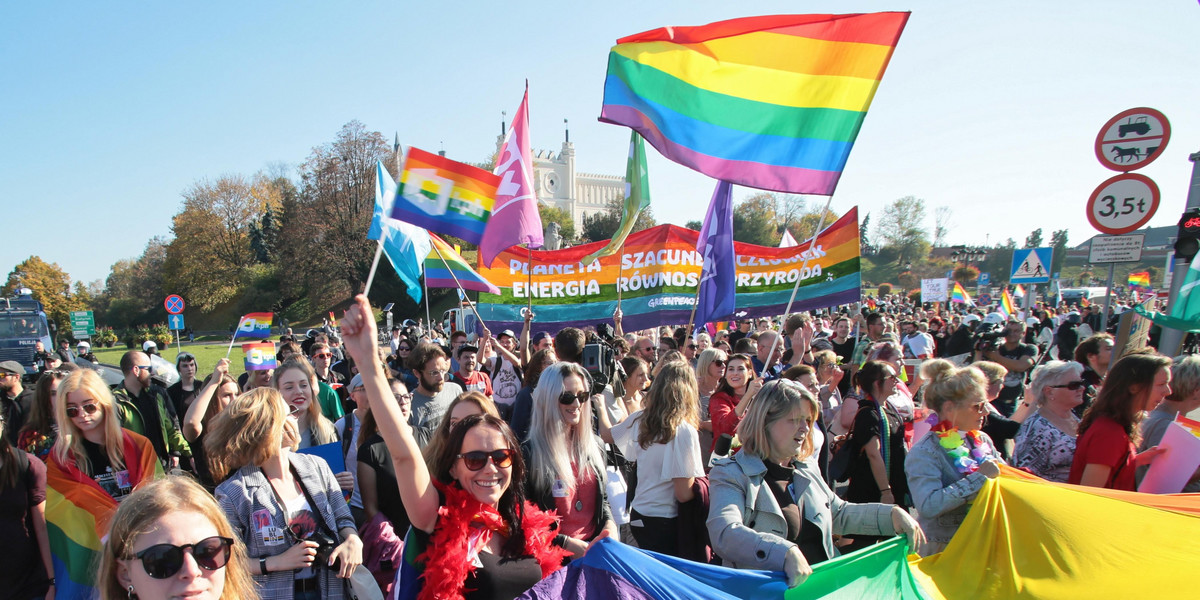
1107,299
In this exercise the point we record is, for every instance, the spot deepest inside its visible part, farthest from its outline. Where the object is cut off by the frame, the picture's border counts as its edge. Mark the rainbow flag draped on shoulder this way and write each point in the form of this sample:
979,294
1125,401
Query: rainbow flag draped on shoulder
77,514
771,102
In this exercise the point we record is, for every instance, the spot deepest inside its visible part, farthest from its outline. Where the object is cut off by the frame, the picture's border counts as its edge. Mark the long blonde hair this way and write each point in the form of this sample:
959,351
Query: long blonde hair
553,449
70,439
672,401
151,502
321,428
248,432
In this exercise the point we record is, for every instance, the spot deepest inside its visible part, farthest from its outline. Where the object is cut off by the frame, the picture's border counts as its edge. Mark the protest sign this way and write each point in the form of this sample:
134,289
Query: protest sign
659,271
935,290
1169,473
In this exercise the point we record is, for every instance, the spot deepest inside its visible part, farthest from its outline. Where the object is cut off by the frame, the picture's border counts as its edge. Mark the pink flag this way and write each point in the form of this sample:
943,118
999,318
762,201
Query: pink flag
515,218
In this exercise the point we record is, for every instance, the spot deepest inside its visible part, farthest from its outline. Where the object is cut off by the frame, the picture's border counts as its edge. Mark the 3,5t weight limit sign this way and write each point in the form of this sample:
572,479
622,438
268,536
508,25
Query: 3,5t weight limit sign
1123,203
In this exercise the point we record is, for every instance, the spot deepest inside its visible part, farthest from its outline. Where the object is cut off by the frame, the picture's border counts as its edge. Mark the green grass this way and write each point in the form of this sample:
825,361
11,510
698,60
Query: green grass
207,356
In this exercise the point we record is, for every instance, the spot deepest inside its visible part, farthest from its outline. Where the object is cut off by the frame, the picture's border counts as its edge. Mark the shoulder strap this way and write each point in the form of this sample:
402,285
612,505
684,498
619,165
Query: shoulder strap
348,432
312,505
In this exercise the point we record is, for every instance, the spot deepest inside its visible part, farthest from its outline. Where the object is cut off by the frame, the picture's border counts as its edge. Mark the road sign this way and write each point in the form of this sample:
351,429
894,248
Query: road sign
1132,139
1031,265
175,322
984,300
83,323
174,304
1116,248
1123,203
985,279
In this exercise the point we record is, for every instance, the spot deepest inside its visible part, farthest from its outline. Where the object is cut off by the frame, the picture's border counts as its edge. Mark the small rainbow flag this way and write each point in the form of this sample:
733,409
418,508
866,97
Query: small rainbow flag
1006,305
1084,302
1019,290
1140,280
438,275
259,356
255,325
771,102
445,196
958,294
78,511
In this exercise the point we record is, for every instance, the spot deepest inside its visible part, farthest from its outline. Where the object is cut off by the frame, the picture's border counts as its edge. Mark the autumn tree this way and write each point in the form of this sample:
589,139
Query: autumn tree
807,222
754,220
903,227
134,291
603,224
50,285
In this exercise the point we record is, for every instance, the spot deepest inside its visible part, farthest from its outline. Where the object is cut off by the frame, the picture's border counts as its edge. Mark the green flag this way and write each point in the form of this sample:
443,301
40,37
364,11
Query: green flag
1185,313
637,197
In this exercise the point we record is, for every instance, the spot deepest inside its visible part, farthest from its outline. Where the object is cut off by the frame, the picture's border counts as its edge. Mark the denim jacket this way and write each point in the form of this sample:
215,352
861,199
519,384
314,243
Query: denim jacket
940,494
746,526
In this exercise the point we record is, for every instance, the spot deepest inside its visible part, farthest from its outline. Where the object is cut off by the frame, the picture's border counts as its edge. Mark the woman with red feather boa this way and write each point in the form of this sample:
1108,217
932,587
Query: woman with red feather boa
476,535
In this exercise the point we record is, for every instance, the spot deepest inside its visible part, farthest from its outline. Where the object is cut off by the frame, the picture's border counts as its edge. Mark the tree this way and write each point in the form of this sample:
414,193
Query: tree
942,221
1058,240
902,227
1035,239
966,275
602,225
50,285
694,225
999,261
754,220
134,291
806,225
864,240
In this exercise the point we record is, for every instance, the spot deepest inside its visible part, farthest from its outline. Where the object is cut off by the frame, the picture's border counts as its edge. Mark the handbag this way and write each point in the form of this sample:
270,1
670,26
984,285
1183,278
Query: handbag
361,584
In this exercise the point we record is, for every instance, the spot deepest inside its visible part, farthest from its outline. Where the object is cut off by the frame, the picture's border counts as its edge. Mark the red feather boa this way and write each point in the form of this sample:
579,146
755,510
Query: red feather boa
448,560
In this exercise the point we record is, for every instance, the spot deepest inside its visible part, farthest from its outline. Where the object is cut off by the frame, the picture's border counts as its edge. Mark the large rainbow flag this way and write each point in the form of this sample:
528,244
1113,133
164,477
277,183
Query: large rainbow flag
771,102
77,516
658,271
445,196
438,274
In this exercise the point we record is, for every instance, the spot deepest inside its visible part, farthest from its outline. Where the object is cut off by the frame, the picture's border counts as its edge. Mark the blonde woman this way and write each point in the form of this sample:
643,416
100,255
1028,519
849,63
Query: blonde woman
297,383
796,530
171,540
663,440
566,463
94,465
284,506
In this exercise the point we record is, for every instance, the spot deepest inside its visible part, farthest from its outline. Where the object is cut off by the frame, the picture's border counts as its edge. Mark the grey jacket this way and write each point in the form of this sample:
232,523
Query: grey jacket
940,494
746,525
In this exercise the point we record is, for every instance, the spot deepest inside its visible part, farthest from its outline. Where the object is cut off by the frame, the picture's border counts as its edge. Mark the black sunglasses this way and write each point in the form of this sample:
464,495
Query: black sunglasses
1072,385
164,560
73,411
567,398
477,459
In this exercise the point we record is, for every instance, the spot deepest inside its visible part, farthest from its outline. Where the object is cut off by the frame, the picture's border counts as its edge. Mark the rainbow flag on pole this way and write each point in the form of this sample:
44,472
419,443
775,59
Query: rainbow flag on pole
438,275
255,325
958,294
445,196
771,102
1019,290
1139,281
1006,305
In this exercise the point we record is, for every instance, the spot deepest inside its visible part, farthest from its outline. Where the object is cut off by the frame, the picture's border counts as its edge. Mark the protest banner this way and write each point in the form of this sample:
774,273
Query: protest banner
935,290
659,271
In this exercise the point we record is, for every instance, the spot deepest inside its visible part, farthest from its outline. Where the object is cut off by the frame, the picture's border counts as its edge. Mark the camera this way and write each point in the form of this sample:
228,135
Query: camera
987,336
599,360
325,547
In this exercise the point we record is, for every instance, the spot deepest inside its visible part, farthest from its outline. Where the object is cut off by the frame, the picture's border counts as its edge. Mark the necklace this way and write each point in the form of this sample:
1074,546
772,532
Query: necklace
966,459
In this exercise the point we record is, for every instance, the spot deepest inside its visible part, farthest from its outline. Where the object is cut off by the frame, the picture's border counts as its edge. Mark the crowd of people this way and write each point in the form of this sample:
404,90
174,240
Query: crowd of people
473,466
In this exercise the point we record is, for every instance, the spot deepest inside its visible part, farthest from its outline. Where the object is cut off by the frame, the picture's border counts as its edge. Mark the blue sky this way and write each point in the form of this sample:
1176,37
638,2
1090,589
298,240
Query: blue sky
108,111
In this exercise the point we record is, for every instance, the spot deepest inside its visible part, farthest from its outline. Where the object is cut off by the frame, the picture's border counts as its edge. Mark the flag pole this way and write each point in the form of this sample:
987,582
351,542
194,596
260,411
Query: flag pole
235,332
529,278
796,288
428,319
695,305
460,287
374,265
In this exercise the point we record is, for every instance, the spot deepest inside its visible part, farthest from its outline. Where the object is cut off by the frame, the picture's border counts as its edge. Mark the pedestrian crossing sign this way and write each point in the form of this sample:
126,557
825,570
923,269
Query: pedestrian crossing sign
1031,265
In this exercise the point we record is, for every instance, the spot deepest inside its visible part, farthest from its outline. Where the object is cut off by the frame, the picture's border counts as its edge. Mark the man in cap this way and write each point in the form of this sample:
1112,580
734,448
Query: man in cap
468,375
14,399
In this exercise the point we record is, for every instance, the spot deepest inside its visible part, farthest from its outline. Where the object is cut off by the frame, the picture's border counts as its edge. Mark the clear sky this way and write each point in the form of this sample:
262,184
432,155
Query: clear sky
109,110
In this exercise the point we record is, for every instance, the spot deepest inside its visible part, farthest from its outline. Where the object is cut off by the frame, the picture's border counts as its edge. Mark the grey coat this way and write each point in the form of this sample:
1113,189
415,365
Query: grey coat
940,494
746,526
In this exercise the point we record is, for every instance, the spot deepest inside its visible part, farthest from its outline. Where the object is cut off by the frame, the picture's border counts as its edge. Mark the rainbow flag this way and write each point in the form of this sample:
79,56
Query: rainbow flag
771,102
445,196
255,325
259,356
77,515
1006,305
1084,302
438,273
1019,290
1140,281
958,294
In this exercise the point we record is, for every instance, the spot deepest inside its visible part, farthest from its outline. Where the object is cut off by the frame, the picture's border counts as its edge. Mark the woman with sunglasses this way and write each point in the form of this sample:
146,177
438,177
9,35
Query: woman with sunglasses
284,506
473,534
218,390
663,441
171,540
94,465
733,396
770,509
40,431
1045,443
710,368
1106,451
948,467
523,405
465,405
566,463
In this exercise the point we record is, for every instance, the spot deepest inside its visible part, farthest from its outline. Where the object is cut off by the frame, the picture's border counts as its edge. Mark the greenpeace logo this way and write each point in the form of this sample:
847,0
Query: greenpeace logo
671,301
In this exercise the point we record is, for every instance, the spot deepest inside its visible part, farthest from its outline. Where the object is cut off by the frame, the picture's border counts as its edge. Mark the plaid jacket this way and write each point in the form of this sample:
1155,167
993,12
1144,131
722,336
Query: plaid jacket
248,501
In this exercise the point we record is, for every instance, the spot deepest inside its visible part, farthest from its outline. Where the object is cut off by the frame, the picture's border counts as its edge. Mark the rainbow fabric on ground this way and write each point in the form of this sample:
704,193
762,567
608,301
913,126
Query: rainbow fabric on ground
771,102
438,273
77,516
958,294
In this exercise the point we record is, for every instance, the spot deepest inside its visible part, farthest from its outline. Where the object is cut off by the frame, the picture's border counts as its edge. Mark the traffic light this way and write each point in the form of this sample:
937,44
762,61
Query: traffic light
1187,243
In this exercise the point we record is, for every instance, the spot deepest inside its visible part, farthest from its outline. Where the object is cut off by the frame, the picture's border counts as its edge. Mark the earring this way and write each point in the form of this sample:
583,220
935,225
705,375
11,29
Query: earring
132,595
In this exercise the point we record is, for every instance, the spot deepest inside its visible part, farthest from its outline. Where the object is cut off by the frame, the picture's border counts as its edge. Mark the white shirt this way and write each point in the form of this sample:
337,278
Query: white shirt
659,465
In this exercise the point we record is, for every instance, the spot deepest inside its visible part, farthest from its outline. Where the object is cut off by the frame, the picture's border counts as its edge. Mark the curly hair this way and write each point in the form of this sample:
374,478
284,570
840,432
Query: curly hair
672,401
